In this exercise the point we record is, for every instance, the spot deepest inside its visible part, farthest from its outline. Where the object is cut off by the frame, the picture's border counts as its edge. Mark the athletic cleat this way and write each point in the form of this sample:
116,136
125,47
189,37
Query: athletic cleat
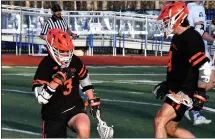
201,120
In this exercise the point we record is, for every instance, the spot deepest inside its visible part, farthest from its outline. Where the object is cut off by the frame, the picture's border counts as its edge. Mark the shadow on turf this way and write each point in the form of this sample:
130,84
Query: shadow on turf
20,126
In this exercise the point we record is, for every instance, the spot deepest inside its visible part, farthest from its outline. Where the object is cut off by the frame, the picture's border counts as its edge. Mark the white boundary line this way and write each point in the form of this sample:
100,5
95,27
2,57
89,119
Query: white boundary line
96,67
18,91
112,100
93,74
108,100
21,131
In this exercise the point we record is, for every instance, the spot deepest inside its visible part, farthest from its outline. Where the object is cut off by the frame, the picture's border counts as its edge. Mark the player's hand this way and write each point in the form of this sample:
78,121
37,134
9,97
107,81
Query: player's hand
160,90
62,75
74,36
199,98
94,106
44,96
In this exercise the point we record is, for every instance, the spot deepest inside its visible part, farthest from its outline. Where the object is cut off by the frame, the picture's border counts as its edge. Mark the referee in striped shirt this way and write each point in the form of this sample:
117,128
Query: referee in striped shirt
56,21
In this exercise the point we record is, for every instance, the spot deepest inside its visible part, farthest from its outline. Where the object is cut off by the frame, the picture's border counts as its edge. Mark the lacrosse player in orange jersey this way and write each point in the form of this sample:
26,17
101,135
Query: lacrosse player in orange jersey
197,19
56,86
187,65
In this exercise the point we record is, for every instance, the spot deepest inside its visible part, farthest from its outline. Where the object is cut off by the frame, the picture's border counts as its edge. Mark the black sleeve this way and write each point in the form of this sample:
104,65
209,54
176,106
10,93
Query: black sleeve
80,67
197,57
196,51
82,72
43,74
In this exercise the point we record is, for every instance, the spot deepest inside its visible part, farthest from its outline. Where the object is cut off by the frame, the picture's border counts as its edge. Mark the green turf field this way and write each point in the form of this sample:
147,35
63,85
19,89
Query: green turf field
127,102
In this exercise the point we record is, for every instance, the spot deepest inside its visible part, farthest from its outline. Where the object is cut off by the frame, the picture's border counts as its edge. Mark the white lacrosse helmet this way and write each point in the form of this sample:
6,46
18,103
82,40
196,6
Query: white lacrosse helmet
60,47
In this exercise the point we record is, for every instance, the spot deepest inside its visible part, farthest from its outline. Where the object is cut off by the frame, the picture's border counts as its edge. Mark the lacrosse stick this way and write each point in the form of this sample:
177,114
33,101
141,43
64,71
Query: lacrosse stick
103,130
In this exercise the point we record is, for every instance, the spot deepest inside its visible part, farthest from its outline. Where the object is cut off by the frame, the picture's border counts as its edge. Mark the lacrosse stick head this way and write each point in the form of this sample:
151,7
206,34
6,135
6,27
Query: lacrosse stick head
104,130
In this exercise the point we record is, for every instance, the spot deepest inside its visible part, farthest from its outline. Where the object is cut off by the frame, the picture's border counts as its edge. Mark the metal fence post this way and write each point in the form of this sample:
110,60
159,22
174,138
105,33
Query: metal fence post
20,35
114,36
146,36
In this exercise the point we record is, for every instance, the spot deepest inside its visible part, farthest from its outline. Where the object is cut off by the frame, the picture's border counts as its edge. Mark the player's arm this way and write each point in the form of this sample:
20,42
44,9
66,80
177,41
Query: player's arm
199,26
43,88
74,36
44,31
44,85
200,62
87,87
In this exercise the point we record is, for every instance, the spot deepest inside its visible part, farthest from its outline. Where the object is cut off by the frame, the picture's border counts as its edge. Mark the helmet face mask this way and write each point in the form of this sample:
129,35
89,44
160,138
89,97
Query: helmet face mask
60,47
172,16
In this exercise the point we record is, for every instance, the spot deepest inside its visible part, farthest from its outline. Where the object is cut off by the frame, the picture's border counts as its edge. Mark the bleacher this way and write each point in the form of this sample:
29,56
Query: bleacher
101,32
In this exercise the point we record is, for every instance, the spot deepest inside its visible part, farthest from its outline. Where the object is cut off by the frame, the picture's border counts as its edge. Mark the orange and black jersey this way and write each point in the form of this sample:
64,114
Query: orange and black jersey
186,55
66,96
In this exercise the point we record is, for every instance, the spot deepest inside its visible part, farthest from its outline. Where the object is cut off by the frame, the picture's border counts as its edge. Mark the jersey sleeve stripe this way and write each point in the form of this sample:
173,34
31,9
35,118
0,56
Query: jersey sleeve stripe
83,74
195,56
82,69
199,60
40,82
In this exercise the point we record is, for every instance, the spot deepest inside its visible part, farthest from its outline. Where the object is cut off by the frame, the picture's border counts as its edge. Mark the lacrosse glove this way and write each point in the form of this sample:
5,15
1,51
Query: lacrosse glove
94,106
62,75
199,98
160,90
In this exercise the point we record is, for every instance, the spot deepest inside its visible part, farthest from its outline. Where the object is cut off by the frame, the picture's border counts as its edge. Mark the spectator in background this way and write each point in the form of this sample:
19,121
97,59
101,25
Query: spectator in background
213,30
56,21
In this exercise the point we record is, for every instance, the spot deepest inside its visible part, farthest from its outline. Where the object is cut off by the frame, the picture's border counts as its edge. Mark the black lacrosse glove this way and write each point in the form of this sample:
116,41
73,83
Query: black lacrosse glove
160,90
94,106
62,75
199,98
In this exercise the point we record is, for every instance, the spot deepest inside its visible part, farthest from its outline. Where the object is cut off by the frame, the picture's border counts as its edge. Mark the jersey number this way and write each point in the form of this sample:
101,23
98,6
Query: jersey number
68,87
170,61
201,14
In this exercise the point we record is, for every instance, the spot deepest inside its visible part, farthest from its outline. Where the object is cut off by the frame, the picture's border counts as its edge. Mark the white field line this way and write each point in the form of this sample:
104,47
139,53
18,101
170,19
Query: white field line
21,131
18,91
6,67
119,101
96,67
133,102
111,100
148,82
108,100
93,74
127,74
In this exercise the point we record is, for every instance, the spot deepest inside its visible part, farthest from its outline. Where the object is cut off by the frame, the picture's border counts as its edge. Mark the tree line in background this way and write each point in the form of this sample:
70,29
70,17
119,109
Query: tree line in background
98,5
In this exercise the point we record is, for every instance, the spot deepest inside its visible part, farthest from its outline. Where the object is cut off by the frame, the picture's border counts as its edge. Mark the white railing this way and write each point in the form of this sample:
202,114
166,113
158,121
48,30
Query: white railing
124,30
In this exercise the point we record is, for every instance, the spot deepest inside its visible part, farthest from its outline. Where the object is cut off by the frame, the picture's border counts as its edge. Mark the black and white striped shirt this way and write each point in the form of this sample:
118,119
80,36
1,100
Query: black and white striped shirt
54,22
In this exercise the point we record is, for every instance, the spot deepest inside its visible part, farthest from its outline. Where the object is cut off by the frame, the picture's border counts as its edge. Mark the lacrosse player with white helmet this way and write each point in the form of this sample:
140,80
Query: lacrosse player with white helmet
186,66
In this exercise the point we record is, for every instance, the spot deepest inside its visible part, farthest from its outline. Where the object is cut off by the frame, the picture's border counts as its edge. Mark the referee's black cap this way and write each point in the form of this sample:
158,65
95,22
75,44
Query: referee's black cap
56,8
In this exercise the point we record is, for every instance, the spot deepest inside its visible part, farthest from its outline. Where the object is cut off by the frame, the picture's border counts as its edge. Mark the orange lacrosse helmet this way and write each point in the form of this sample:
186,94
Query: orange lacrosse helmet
172,15
60,46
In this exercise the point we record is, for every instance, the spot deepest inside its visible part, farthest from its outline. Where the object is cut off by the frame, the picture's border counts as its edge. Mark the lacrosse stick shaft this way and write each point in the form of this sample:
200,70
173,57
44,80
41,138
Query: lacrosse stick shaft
98,116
